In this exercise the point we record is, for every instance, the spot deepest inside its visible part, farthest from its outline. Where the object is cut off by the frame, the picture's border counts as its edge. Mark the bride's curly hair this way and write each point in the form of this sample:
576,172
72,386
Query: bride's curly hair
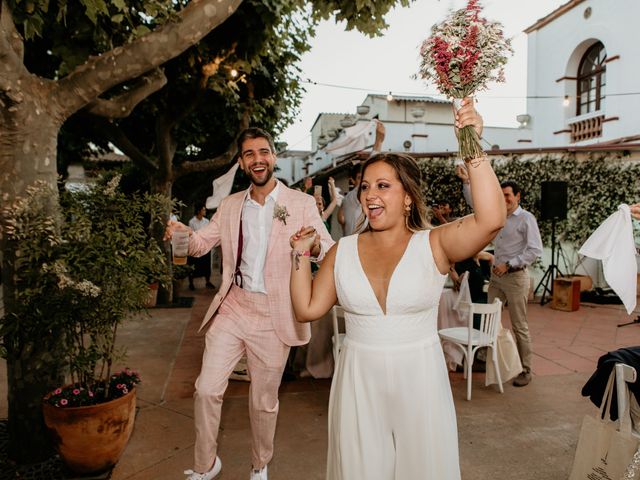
410,177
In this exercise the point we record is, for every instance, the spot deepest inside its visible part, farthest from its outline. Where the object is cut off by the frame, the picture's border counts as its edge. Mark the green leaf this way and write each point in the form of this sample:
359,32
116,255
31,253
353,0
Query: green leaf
93,8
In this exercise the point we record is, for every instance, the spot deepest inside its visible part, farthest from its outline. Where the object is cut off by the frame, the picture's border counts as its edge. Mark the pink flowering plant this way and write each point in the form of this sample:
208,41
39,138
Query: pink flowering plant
77,280
461,56
79,395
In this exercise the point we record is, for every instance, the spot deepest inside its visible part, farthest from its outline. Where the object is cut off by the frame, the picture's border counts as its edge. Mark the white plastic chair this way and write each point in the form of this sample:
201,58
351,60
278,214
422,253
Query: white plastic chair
625,373
337,339
469,339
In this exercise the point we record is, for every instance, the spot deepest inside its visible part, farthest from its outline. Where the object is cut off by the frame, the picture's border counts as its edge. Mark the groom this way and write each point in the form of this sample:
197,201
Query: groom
251,313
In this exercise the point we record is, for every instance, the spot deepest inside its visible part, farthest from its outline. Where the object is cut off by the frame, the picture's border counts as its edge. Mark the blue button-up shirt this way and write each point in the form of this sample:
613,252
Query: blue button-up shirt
519,241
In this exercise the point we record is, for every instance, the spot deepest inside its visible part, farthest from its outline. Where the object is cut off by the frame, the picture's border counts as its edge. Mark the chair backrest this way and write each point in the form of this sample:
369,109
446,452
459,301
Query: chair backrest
490,319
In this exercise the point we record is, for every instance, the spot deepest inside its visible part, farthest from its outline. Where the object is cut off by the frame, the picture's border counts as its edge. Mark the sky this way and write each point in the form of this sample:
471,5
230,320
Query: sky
357,64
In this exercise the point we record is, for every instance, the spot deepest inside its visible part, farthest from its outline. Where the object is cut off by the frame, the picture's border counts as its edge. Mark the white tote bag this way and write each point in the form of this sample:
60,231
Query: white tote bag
605,448
508,359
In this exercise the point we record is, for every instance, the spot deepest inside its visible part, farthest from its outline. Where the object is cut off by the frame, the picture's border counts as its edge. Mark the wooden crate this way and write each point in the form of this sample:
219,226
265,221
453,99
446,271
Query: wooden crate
566,294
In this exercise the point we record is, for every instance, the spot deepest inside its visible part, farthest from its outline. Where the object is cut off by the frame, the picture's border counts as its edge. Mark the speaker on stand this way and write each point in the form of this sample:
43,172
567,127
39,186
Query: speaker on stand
553,206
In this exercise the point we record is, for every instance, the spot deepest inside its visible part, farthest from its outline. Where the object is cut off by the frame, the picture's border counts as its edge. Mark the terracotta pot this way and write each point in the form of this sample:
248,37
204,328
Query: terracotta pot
91,439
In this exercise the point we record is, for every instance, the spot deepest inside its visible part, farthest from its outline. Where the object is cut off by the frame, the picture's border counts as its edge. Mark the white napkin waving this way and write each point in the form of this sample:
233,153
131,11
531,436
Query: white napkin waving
613,243
221,187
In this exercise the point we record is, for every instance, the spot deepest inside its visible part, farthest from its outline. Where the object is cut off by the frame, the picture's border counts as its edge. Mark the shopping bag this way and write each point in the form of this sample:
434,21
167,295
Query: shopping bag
605,448
508,359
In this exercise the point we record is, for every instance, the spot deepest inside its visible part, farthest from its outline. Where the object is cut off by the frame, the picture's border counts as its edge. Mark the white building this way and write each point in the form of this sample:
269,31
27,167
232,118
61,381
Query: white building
413,124
582,74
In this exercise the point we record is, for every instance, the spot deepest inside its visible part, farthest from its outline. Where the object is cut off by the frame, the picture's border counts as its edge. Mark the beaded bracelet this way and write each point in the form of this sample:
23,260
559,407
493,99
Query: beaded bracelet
296,254
474,162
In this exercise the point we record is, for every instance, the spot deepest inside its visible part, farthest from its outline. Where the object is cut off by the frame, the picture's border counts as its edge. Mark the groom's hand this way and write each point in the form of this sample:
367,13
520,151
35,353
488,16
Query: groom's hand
316,248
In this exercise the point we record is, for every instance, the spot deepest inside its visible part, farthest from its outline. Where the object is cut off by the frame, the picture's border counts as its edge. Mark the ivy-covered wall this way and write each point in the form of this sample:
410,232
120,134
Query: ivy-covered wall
597,184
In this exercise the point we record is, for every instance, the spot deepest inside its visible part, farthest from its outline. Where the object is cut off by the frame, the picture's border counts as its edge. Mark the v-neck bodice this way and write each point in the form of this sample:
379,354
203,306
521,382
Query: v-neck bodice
412,296
393,273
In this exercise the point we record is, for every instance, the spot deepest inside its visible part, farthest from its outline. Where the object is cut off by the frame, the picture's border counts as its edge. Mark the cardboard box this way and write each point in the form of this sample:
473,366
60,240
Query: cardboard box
586,283
566,294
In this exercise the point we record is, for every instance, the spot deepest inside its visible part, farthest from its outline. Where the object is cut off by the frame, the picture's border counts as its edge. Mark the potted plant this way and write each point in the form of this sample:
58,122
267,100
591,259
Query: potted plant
81,281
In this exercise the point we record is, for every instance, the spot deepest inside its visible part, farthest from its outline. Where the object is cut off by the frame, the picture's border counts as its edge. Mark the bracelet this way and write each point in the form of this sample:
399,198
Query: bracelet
296,254
475,162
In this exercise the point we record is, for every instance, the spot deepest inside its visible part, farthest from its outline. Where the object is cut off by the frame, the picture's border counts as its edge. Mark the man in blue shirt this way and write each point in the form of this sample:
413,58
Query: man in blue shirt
517,246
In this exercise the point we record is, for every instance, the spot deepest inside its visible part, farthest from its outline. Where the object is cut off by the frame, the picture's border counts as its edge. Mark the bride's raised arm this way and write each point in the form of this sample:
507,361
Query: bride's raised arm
465,237
311,297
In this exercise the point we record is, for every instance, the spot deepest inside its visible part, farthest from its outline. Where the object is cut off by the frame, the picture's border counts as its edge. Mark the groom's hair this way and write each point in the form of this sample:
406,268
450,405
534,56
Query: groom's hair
254,132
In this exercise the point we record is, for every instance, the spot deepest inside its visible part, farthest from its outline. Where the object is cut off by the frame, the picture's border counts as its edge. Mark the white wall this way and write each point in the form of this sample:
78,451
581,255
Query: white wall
555,50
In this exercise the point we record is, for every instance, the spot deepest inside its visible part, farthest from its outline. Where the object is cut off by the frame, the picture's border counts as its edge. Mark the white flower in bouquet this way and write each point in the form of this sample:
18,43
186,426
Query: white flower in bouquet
463,54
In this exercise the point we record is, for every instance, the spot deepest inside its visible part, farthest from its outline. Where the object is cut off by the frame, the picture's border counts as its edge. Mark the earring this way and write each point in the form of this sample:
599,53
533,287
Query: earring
407,210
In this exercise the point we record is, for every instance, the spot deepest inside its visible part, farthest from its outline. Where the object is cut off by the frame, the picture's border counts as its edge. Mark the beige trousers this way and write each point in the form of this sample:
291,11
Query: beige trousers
242,325
514,289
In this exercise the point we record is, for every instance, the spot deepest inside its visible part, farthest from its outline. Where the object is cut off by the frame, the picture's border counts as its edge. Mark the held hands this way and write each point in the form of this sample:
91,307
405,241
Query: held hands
306,239
173,226
468,115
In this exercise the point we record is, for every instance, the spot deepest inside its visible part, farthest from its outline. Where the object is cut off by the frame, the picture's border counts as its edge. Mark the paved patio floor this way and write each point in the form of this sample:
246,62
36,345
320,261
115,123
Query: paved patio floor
526,433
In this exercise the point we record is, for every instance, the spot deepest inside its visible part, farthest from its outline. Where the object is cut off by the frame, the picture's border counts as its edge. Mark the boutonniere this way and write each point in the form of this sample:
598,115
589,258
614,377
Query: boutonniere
281,213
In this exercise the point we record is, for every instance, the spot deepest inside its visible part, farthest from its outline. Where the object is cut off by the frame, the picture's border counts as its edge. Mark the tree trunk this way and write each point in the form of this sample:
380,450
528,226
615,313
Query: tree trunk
165,293
29,378
28,142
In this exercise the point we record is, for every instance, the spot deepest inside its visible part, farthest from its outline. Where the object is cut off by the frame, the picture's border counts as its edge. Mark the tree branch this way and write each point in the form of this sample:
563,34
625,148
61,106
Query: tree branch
11,47
122,105
207,71
216,162
206,165
98,74
116,136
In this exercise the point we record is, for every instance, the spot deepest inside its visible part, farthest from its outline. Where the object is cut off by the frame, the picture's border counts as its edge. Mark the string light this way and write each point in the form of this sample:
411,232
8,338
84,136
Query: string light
389,97
439,95
234,72
565,102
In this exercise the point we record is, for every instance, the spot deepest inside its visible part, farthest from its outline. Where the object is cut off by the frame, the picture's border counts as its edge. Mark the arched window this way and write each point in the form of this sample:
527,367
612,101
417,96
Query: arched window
592,79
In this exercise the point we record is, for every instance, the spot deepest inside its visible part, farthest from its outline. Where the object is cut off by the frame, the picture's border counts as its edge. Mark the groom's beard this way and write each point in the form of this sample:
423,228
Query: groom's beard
260,180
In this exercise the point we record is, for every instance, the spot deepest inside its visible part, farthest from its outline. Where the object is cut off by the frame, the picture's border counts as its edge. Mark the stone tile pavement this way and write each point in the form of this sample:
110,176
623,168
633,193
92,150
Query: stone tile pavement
526,433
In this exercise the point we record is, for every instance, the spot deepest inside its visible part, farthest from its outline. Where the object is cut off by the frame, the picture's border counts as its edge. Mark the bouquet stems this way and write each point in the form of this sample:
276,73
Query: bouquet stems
468,140
469,143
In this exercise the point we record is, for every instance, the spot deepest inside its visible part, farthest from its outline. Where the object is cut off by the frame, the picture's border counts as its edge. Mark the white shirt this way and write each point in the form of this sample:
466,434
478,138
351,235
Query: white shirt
256,229
196,224
519,241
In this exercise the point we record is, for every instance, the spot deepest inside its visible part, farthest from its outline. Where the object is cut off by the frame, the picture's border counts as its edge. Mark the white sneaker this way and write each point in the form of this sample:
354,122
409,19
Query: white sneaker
259,474
215,470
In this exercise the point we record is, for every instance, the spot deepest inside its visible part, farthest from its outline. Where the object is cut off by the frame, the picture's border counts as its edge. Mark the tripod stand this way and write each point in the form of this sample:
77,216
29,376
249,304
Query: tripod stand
546,282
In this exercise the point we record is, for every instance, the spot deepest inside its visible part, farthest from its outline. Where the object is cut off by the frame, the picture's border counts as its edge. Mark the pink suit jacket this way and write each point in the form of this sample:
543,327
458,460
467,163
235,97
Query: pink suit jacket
223,229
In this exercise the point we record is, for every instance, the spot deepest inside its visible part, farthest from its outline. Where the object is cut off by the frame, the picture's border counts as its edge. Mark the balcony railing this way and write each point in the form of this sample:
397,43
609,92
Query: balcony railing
586,128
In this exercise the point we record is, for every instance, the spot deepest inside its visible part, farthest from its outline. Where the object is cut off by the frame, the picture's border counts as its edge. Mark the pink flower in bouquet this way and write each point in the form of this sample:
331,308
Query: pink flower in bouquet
463,54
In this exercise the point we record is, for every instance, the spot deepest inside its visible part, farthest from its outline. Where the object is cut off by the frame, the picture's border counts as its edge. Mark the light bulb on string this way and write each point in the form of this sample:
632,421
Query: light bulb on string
565,102
234,73
389,97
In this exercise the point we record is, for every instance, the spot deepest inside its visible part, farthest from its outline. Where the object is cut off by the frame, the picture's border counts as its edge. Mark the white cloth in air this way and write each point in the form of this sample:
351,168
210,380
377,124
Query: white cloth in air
613,243
221,188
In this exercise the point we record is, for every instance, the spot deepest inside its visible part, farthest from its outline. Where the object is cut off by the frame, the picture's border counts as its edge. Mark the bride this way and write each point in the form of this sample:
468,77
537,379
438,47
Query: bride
391,412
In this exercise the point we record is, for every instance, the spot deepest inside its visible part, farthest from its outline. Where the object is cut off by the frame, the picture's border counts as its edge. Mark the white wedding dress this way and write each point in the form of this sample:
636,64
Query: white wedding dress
391,413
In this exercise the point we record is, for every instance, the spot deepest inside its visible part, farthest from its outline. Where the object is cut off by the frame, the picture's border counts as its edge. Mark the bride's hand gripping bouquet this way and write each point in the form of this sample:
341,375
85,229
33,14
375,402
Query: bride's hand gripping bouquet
461,56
